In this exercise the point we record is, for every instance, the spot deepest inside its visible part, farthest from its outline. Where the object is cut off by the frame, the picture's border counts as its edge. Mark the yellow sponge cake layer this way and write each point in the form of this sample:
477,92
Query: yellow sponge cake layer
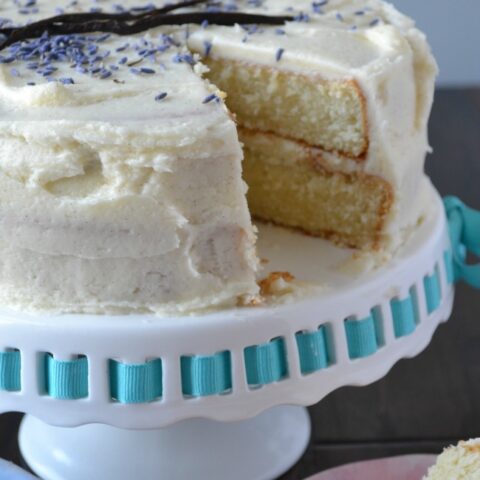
327,114
289,185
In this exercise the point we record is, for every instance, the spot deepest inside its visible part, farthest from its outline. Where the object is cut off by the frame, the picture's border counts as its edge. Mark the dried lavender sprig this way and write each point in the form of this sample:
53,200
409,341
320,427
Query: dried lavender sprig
121,27
88,16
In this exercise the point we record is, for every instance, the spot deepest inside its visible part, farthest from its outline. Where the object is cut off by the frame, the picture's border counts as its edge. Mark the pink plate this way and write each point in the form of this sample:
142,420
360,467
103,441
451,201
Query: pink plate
408,467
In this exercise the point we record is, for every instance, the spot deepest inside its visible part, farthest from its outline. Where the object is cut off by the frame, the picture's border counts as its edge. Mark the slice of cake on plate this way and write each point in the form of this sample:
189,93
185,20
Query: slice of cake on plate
121,167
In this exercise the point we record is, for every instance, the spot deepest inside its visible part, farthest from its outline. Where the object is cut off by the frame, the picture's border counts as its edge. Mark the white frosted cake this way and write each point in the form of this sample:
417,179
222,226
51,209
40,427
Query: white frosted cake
121,182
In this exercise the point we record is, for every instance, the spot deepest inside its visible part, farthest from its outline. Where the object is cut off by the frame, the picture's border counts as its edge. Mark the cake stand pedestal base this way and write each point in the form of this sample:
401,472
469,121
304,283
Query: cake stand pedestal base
261,448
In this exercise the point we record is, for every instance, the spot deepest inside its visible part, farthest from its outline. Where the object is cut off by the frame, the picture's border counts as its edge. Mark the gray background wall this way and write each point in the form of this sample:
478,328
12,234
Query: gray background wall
453,29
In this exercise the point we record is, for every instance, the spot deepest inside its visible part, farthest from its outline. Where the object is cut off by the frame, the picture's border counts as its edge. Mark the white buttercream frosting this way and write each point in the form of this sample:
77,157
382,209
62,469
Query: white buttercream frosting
117,197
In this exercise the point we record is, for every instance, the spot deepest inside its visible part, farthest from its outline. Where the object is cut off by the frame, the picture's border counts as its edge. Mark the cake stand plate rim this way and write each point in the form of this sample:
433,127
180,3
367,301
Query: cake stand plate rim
101,342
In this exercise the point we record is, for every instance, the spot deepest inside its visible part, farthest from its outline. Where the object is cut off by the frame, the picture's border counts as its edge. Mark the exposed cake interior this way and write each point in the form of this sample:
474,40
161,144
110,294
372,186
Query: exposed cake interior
307,108
288,185
332,121
283,116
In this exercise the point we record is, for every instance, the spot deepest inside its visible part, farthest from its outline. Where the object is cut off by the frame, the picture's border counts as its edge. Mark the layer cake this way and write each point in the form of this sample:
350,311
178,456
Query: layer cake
121,166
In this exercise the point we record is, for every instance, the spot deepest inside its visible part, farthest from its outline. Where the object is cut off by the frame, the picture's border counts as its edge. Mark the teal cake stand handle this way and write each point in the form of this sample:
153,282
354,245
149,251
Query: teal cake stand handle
464,227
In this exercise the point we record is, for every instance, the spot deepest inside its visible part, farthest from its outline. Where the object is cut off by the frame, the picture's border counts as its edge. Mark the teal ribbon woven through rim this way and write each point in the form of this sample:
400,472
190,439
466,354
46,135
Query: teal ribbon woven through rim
136,383
313,350
361,337
464,226
206,375
10,366
449,267
66,380
432,291
266,363
404,316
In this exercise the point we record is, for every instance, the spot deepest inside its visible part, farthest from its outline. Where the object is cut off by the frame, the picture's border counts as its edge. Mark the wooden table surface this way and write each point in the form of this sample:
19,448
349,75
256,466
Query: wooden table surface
425,403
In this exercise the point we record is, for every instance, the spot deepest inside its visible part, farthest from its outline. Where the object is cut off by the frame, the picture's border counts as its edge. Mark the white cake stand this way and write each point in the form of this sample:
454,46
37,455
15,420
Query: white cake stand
123,397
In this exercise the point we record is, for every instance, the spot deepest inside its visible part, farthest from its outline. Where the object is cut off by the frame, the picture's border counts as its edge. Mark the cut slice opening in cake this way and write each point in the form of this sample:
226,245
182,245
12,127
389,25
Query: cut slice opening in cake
287,121
329,123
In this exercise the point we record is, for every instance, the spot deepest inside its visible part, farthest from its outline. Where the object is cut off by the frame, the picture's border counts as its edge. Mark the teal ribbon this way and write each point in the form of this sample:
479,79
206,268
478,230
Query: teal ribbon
204,375
464,227
137,382
361,337
403,316
313,350
433,293
266,363
66,380
10,366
